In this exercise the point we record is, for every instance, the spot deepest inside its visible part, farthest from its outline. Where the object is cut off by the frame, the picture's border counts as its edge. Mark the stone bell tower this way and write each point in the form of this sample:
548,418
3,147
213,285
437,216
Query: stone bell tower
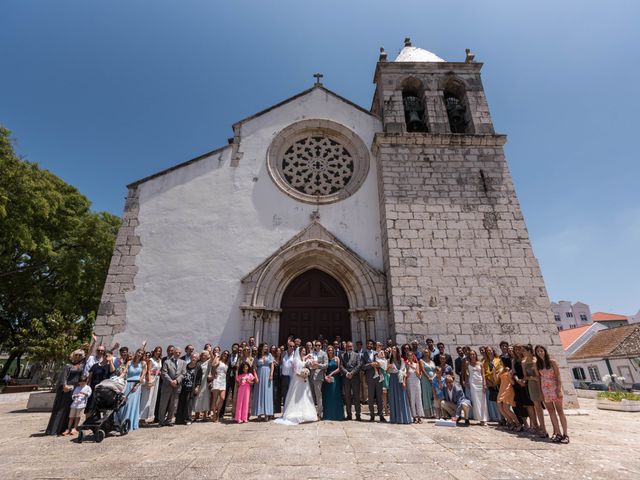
459,263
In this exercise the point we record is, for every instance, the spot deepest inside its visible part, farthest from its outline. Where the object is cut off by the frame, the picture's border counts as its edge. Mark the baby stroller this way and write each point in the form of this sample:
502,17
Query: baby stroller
109,399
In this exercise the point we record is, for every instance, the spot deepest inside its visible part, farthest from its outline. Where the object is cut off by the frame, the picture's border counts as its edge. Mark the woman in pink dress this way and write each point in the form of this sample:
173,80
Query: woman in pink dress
551,386
244,379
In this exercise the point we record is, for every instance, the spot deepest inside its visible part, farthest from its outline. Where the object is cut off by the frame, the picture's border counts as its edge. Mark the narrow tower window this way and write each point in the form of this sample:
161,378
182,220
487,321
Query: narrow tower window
414,115
455,102
456,112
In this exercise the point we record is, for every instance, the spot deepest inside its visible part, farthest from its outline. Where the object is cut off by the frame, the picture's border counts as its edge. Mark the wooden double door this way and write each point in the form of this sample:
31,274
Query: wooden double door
314,303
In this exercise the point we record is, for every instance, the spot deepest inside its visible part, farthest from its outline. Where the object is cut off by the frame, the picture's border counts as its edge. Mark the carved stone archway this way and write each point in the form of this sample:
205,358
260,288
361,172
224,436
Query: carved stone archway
314,247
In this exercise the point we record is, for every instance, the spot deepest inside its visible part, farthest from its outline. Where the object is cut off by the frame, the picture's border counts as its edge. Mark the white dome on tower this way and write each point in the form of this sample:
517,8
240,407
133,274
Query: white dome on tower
414,54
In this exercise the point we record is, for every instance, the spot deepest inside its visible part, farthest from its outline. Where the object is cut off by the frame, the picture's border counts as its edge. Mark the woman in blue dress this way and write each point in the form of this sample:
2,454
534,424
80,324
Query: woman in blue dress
134,372
263,390
332,407
398,402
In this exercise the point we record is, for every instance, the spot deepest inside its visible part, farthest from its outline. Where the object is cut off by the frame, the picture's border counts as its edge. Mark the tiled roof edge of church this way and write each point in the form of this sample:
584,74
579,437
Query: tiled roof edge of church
179,165
301,94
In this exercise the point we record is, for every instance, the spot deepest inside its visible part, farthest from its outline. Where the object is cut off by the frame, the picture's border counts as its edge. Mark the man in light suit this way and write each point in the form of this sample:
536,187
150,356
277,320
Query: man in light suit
317,372
455,403
173,370
350,368
374,385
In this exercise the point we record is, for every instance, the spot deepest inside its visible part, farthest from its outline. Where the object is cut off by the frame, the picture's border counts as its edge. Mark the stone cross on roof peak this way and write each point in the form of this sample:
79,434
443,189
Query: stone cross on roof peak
318,76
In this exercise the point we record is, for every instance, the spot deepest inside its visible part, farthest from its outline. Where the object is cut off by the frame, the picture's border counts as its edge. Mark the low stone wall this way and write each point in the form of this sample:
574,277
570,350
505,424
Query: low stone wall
587,393
623,406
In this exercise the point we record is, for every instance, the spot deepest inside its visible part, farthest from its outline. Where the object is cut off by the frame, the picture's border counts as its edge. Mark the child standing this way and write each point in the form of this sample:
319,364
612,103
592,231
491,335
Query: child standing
80,396
244,379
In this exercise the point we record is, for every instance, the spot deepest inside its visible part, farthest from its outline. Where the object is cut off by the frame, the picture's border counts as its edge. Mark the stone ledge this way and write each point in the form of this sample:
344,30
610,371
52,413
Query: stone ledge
437,139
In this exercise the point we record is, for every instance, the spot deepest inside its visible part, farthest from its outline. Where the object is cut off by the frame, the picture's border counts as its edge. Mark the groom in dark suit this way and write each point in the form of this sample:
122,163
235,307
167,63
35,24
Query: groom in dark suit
374,385
350,368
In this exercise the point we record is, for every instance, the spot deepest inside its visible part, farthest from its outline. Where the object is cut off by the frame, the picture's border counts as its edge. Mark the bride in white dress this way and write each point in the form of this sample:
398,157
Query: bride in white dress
299,406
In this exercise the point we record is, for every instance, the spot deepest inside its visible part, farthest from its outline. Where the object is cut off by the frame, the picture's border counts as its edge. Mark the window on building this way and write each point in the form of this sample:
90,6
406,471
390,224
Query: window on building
557,317
594,374
569,314
560,327
573,325
578,373
583,317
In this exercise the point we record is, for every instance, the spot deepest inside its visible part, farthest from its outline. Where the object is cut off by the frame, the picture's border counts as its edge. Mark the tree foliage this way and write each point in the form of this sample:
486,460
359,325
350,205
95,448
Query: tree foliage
54,257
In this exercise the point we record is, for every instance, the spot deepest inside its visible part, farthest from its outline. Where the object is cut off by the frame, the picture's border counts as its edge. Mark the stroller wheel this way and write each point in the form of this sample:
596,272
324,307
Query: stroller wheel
100,436
80,436
125,427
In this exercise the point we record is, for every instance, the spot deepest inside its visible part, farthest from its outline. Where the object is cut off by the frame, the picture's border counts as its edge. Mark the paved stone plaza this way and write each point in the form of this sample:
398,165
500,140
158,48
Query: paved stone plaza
603,445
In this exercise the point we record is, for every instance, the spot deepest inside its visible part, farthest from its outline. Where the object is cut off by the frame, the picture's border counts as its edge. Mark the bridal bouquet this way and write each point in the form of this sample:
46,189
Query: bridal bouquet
304,373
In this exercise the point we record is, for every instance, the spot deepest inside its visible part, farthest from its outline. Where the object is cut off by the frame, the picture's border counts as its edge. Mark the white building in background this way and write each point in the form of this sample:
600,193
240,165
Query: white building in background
568,315
608,351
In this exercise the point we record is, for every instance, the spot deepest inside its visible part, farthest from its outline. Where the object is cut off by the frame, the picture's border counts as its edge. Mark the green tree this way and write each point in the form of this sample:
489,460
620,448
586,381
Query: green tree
54,257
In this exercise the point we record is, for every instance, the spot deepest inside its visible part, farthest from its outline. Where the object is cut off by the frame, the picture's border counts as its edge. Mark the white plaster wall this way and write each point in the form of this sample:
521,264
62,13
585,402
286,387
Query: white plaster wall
580,308
632,376
585,364
630,370
206,225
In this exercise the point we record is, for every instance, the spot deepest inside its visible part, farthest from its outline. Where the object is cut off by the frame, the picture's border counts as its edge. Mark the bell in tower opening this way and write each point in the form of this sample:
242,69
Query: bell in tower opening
456,112
413,113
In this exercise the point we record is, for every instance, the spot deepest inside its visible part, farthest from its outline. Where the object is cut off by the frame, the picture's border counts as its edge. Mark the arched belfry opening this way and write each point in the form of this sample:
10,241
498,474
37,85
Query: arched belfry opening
457,106
313,304
413,104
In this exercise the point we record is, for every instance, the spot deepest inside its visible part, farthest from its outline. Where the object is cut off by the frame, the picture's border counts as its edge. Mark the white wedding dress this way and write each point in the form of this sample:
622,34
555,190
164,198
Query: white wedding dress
299,406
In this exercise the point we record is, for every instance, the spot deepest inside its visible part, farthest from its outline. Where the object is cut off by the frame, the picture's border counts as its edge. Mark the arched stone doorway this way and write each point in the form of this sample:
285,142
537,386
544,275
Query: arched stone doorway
314,248
314,303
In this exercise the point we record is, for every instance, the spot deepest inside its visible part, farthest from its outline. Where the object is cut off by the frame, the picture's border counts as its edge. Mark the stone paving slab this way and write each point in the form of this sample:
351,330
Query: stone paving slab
604,444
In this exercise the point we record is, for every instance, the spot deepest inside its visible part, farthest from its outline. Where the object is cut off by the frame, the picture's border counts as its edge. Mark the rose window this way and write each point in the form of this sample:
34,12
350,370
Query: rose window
318,161
317,165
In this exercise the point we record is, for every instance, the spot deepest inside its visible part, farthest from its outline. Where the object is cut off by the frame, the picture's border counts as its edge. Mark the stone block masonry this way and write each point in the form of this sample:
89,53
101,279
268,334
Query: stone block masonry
112,312
459,263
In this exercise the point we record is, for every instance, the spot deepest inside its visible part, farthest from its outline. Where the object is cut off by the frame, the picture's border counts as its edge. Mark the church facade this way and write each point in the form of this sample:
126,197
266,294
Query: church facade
322,217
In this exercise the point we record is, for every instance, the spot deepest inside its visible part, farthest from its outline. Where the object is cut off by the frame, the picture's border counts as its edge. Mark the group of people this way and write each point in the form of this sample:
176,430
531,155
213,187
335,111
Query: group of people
320,380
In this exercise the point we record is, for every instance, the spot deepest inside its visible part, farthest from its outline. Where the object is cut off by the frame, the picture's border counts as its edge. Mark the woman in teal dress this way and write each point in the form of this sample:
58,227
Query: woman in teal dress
429,369
398,402
332,406
134,372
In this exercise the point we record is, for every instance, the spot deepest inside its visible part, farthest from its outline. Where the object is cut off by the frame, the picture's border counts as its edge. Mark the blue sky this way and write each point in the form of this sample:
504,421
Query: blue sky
104,93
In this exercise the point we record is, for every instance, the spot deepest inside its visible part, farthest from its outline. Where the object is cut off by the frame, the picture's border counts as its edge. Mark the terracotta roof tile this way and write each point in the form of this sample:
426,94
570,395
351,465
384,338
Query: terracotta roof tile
567,337
604,316
620,341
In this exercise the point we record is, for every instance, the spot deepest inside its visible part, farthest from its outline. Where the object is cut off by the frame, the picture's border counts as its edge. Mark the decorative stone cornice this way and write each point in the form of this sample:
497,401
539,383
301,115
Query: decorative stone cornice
436,139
